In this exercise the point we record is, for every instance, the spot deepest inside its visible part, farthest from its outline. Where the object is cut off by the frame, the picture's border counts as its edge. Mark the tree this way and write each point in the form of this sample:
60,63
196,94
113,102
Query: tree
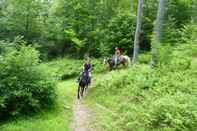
120,32
22,17
157,32
59,25
137,32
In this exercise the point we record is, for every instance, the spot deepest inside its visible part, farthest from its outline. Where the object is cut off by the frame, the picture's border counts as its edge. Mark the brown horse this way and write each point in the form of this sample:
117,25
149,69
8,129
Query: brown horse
124,60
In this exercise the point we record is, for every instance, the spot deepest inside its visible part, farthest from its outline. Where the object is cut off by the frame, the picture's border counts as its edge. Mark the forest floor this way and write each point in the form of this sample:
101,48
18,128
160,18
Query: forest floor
83,117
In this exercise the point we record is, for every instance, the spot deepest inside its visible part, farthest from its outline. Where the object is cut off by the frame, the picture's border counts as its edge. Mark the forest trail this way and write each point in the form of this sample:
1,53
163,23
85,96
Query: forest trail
83,117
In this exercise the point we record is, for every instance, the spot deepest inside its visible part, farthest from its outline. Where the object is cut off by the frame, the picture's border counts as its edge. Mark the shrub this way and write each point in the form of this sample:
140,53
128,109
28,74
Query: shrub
63,68
183,56
5,46
177,112
189,33
145,58
24,85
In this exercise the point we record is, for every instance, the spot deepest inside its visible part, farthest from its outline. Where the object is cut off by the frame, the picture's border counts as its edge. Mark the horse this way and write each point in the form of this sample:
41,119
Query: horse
124,60
83,84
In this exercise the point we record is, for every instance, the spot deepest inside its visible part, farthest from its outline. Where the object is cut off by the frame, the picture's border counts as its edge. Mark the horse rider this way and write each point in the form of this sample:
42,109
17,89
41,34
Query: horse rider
116,57
87,68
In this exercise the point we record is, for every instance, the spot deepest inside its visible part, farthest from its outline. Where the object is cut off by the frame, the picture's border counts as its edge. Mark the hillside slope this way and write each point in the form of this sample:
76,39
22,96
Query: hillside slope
141,98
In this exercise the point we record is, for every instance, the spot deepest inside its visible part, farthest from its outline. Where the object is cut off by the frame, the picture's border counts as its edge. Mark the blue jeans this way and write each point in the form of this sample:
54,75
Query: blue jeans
116,60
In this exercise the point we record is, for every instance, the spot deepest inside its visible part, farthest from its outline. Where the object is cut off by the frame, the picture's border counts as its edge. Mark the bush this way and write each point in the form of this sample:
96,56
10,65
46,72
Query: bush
145,58
177,112
189,33
4,46
24,85
183,57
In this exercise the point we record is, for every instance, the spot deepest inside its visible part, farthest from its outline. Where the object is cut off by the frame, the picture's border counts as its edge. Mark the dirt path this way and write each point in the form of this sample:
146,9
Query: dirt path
82,117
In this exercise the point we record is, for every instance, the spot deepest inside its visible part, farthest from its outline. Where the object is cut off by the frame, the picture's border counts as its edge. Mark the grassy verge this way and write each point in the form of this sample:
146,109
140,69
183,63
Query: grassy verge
99,101
57,119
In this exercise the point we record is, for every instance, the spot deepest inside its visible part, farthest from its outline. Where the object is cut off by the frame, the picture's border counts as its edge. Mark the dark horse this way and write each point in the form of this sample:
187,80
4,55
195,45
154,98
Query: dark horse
83,84
124,60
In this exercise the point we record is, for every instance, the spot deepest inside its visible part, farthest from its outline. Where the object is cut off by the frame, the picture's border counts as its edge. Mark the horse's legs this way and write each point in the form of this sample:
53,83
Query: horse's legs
78,92
82,90
86,88
111,67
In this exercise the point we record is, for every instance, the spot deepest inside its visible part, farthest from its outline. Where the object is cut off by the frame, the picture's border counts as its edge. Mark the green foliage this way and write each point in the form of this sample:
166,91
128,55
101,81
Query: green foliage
146,99
70,34
178,14
66,68
183,56
189,33
144,58
78,27
143,99
165,54
4,46
21,18
24,86
181,11
120,32
175,112
170,34
58,118
180,54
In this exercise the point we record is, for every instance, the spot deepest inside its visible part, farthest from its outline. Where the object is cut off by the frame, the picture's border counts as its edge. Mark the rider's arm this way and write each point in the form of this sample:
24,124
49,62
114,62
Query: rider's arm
90,69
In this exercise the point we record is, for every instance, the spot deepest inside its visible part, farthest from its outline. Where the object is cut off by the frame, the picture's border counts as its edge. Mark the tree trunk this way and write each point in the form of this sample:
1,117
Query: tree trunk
157,32
137,32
